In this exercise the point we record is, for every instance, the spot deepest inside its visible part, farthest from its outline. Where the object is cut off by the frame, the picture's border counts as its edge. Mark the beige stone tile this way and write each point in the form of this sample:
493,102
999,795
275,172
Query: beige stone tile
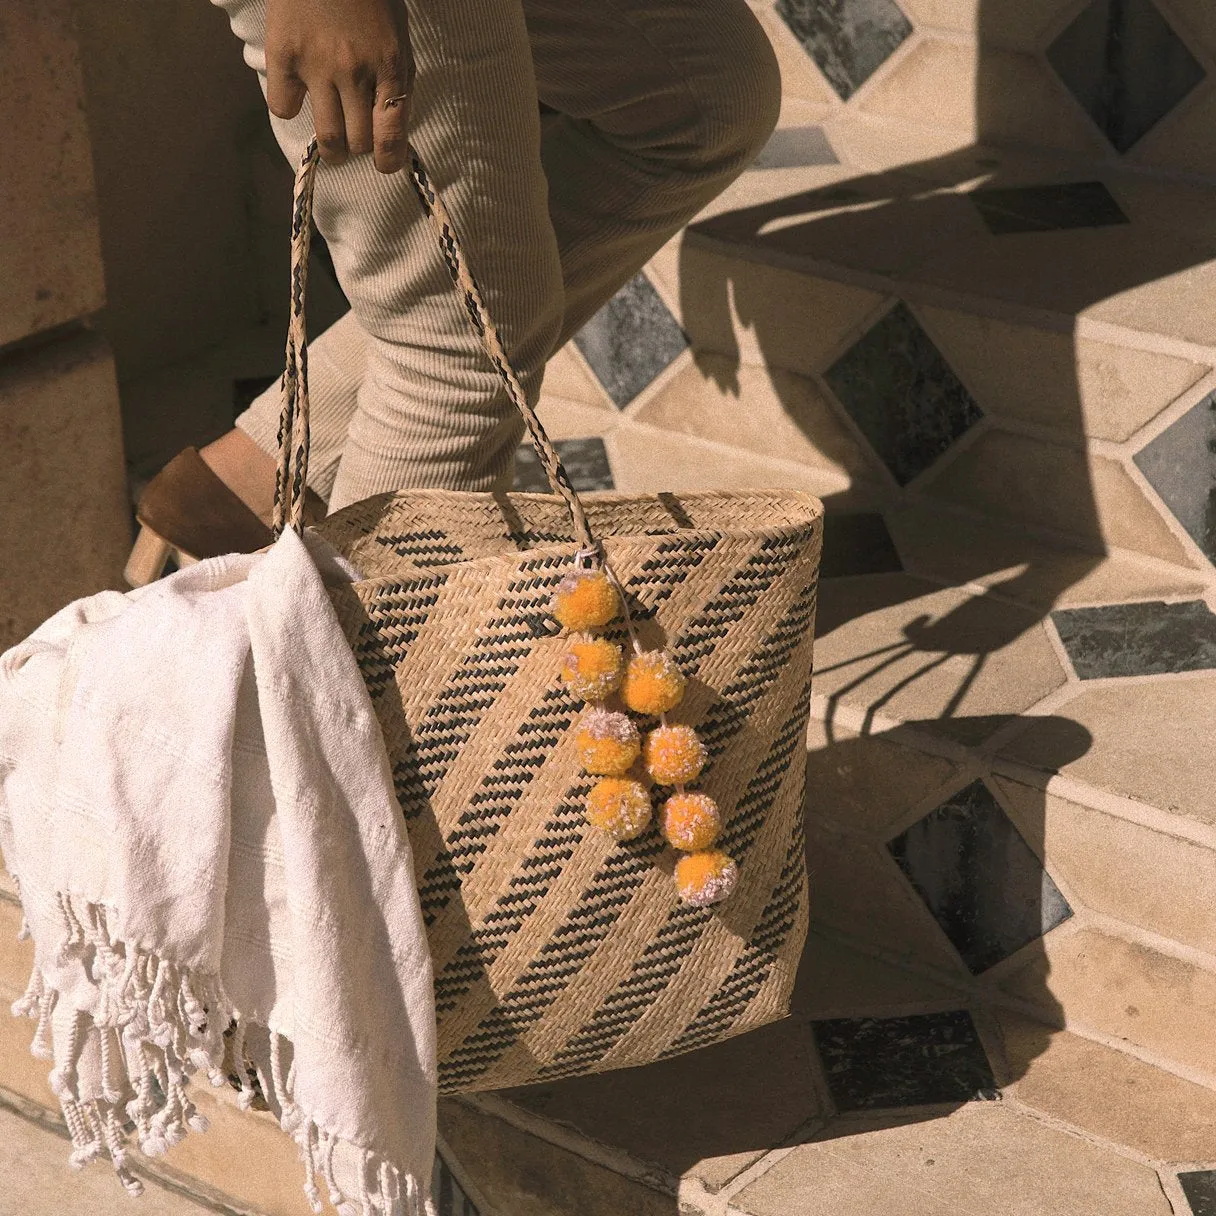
567,377
765,410
857,890
1178,143
709,1113
865,783
838,981
1022,102
1108,1093
16,957
521,1175
1142,743
1079,386
1150,280
941,155
1020,26
1123,869
38,1180
50,251
1127,991
764,314
63,495
647,460
1195,20
564,419
20,1072
945,546
1089,497
800,78
981,1159
955,663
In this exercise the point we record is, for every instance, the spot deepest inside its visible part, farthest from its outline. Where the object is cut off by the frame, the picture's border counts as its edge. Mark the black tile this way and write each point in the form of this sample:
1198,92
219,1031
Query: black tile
902,394
849,39
857,544
979,878
1048,208
877,1063
630,340
1180,465
586,461
247,388
1126,65
1199,1187
796,148
1145,639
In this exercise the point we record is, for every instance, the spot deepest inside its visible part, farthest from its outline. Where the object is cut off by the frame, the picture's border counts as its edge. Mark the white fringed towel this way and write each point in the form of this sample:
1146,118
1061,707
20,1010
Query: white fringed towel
197,806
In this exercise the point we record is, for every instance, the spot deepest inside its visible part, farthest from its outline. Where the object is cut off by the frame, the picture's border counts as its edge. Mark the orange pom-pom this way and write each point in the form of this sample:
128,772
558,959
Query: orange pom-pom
586,599
706,878
592,668
607,743
691,821
652,684
620,806
674,755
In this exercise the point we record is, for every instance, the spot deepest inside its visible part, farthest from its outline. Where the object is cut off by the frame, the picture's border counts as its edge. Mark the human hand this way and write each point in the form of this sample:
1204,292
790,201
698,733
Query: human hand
348,56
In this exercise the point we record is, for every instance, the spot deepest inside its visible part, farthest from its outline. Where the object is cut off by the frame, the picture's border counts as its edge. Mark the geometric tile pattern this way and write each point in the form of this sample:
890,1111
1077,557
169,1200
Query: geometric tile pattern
902,394
1180,464
450,1200
796,148
857,544
1199,1187
848,39
919,1060
1048,208
586,460
983,883
1144,639
631,340
1126,66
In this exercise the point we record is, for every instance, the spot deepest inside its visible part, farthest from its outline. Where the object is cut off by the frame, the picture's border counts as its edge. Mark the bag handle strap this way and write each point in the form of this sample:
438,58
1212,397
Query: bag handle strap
291,478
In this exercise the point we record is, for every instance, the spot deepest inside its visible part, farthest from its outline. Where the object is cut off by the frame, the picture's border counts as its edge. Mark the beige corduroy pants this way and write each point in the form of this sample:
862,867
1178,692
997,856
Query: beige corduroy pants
653,108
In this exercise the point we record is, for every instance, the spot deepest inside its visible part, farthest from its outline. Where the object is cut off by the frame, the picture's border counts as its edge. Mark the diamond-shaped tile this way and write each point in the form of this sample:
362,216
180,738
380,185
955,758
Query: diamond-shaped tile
1125,64
876,1063
1199,1187
631,340
857,544
1047,208
1143,639
982,882
796,148
902,394
586,461
848,39
1180,465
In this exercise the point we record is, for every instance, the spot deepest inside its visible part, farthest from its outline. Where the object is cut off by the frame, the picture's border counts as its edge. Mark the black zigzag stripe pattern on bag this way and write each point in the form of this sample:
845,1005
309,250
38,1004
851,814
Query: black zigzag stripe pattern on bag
661,961
561,958
754,964
745,588
430,547
673,562
394,619
502,789
483,674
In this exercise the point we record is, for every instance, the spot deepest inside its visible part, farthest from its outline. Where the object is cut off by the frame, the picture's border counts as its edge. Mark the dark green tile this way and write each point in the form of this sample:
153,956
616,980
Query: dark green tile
1143,639
1047,208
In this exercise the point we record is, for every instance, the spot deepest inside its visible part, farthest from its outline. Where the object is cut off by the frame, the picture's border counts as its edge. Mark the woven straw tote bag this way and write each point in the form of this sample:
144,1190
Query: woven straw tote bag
557,949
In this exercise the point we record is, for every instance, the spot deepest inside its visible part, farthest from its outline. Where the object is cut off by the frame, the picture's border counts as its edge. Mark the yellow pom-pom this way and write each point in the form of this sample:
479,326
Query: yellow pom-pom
586,600
607,743
691,821
674,755
592,668
620,806
652,684
706,878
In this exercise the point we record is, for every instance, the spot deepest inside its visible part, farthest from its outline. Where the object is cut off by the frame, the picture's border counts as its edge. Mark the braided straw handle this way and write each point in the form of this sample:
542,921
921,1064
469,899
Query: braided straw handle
291,479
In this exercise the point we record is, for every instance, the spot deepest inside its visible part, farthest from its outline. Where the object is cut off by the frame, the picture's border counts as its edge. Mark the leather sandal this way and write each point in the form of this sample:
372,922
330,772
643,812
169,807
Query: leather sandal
187,513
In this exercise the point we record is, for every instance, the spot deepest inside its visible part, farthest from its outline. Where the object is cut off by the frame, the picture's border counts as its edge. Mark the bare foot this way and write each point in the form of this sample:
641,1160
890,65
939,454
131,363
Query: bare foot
245,469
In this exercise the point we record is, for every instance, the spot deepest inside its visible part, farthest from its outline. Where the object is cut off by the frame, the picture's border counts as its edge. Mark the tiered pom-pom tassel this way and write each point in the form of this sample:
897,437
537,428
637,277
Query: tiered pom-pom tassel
609,744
